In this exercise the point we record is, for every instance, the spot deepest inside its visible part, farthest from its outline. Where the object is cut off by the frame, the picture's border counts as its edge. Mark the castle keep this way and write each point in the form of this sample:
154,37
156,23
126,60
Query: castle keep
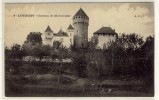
77,35
80,23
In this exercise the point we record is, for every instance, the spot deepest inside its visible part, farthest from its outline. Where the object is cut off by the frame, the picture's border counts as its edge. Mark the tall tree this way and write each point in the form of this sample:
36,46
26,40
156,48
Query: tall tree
33,44
34,37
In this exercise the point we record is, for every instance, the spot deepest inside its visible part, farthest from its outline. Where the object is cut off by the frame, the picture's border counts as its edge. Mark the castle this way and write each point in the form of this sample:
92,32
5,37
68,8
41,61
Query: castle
77,35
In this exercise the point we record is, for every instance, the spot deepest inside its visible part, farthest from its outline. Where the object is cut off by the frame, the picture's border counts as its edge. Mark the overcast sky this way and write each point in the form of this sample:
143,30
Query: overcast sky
123,17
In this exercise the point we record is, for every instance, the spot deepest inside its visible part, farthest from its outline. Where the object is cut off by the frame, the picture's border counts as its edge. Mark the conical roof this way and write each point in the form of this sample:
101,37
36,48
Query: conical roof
70,27
80,12
48,29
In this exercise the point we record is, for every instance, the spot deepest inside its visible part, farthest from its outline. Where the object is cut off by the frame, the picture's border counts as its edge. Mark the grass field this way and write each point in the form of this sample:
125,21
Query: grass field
50,85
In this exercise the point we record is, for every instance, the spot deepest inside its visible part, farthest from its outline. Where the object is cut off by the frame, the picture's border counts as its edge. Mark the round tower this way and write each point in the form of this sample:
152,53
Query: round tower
80,23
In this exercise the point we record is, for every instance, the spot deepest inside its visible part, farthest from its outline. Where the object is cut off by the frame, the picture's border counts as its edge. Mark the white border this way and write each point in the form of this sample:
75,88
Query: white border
156,97
30,1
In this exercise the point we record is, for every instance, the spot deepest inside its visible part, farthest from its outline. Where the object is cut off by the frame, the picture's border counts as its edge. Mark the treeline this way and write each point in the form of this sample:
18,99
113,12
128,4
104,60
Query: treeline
129,57
33,46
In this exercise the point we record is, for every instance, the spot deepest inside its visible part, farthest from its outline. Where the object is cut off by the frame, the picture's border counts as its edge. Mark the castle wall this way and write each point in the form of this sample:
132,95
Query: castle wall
104,40
66,41
71,35
48,41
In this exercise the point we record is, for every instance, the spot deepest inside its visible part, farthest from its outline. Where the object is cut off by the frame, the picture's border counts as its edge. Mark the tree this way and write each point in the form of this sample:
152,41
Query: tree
130,41
33,44
124,54
56,44
93,43
94,40
148,47
46,50
34,37
37,50
17,51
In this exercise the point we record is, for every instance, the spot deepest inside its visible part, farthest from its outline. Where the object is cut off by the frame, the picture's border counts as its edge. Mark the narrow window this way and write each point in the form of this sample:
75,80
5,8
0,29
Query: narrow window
82,44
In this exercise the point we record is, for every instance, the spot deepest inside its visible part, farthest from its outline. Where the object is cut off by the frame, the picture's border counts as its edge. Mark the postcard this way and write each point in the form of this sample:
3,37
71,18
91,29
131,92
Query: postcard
79,49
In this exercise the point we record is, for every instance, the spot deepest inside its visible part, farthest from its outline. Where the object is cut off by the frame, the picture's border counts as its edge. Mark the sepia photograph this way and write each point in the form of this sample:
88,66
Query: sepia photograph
79,49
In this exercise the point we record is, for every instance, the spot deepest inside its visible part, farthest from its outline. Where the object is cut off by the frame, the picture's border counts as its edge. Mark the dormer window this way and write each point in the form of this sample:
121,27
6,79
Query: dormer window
48,33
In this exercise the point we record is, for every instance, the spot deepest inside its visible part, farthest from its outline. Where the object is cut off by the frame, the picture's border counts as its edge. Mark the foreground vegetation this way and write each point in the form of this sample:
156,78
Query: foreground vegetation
128,61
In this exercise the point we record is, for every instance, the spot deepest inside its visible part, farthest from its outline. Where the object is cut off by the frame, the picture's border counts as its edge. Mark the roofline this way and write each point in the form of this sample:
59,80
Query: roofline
105,34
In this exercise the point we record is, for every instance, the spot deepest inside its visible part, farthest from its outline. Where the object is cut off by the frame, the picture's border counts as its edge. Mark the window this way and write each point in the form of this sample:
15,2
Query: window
48,33
70,34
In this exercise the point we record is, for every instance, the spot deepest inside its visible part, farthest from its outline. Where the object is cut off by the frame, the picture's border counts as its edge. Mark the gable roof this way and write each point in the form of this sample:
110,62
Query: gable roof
80,12
105,30
70,27
48,29
61,33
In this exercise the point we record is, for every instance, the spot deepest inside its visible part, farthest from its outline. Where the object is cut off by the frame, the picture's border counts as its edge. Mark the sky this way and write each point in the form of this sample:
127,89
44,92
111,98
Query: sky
123,17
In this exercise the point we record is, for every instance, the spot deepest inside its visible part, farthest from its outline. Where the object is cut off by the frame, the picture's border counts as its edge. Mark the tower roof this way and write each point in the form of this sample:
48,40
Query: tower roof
80,12
48,29
70,27
105,30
